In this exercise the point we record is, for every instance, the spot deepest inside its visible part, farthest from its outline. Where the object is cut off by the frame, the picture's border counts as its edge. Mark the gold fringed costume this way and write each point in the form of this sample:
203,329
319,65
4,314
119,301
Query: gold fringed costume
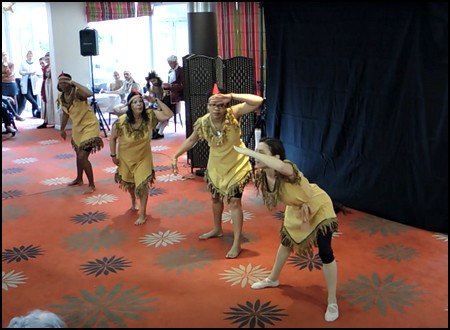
135,154
309,210
228,171
85,126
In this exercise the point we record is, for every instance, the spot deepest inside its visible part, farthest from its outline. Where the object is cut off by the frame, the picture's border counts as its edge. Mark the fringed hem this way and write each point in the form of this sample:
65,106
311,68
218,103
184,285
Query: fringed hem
310,241
143,187
139,190
235,189
94,144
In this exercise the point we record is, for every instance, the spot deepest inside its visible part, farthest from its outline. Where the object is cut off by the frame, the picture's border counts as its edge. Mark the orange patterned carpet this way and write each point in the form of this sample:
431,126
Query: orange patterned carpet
82,257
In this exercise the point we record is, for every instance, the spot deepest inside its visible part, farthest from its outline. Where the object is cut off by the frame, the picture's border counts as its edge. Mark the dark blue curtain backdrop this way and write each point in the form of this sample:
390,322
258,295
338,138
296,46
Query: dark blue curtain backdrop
358,93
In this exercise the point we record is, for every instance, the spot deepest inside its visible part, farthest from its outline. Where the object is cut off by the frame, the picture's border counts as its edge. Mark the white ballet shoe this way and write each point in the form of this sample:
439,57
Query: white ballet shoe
266,283
332,313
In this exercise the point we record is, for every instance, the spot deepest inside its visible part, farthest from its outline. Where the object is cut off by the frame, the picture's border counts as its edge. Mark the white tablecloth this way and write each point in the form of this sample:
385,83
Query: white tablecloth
106,102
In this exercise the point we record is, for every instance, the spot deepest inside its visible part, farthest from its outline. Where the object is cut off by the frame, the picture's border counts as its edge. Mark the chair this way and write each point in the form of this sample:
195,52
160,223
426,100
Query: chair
175,120
6,105
176,108
11,119
111,113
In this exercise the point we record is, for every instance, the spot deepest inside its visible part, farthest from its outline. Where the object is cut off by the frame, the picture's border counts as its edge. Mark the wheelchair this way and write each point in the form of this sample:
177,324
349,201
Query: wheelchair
8,117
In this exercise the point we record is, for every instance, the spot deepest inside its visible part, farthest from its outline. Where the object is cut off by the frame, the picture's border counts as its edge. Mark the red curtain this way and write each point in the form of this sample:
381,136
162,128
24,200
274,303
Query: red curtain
241,33
103,11
144,9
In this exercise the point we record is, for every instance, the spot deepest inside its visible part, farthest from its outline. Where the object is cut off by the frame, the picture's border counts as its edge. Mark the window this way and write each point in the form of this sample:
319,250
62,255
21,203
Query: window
170,36
26,30
141,44
138,44
123,44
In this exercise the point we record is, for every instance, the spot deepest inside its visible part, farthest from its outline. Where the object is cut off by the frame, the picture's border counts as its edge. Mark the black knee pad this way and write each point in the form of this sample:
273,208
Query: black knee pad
326,256
324,244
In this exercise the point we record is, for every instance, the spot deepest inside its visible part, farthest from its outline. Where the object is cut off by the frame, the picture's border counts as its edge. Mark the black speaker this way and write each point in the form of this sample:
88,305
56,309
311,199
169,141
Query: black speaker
88,42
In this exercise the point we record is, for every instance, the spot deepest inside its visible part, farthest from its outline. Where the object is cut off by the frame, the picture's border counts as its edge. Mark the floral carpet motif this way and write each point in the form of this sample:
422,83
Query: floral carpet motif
82,257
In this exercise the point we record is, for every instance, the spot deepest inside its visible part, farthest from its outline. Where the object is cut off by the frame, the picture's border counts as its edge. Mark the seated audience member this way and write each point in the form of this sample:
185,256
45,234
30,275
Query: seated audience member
37,319
117,83
123,91
174,93
7,120
10,105
154,85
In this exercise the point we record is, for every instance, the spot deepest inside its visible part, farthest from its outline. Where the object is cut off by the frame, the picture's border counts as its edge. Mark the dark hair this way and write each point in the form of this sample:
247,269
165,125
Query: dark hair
129,112
63,74
275,146
153,75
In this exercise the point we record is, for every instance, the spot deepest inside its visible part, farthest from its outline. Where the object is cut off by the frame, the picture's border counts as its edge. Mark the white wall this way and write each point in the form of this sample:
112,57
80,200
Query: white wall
65,20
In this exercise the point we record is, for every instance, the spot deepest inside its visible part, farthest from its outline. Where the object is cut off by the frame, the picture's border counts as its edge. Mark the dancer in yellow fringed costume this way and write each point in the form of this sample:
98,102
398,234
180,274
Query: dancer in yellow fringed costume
85,127
227,172
309,216
131,149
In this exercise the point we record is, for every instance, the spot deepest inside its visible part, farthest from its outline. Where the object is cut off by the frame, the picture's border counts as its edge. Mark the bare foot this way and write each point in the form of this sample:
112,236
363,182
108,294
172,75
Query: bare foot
211,234
89,190
140,221
233,253
134,207
75,183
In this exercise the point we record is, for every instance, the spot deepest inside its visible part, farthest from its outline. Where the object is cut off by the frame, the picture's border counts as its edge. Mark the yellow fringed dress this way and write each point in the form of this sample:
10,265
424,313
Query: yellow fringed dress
85,126
135,154
309,209
228,171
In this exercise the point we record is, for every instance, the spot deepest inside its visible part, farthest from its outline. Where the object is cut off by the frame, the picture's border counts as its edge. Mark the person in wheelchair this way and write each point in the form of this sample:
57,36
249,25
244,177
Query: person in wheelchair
10,105
8,120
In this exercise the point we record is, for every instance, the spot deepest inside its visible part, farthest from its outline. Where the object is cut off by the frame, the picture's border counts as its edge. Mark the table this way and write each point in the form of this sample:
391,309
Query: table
106,102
